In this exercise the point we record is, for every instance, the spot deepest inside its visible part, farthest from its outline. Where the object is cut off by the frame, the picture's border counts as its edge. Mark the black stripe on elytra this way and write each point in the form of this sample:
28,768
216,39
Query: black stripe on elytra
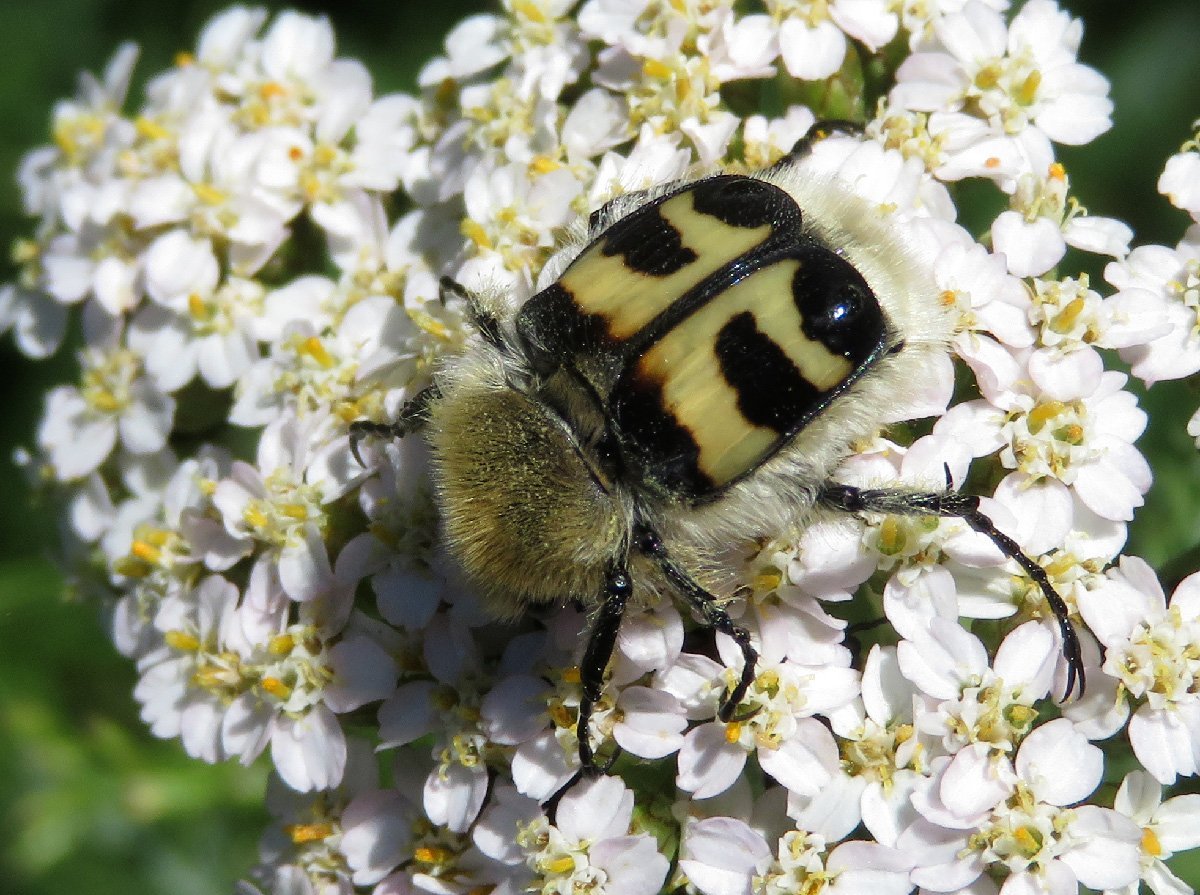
771,391
784,241
837,307
647,243
653,442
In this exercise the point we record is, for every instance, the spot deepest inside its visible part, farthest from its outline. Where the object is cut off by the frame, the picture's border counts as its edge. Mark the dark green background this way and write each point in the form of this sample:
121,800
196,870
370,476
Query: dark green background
90,803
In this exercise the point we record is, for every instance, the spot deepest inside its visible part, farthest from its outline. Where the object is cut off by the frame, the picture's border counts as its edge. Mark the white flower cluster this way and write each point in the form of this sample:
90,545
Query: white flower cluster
257,250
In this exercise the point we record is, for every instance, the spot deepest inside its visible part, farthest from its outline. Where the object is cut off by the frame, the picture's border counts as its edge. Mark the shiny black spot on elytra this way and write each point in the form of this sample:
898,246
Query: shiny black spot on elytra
771,391
745,202
838,307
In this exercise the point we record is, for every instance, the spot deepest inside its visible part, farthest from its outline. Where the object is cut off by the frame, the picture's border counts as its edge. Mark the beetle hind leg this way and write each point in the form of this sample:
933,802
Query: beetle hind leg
966,507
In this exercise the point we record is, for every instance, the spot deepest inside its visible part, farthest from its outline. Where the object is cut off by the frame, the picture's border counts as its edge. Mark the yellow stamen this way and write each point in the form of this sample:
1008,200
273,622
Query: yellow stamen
209,194
1027,92
276,687
1071,433
892,536
281,644
1065,321
475,232
25,251
197,308
432,854
297,511
1150,843
105,401
315,349
1029,840
558,866
768,580
652,68
150,129
529,10
1044,413
302,833
181,640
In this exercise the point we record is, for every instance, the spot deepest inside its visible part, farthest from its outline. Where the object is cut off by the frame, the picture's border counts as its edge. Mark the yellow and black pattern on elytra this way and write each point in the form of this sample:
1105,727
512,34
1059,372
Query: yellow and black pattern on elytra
725,388
649,269
645,263
710,328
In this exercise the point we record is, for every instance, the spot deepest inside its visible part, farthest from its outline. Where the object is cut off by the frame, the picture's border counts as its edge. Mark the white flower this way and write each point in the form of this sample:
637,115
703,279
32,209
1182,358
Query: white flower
277,508
1179,179
979,813
186,683
1157,273
1167,827
1034,235
773,721
805,863
197,324
114,401
591,845
1149,649
1012,76
1084,440
884,756
448,707
977,703
812,36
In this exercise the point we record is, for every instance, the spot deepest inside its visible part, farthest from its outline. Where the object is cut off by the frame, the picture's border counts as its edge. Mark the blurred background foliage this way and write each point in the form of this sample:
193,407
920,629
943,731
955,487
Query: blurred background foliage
90,803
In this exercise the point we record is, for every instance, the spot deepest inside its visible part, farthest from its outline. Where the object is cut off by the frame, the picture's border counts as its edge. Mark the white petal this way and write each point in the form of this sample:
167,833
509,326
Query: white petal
596,809
1030,249
811,52
804,762
309,752
454,795
304,569
1108,852
1177,823
1060,763
1162,744
708,765
363,671
721,855
376,834
652,722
